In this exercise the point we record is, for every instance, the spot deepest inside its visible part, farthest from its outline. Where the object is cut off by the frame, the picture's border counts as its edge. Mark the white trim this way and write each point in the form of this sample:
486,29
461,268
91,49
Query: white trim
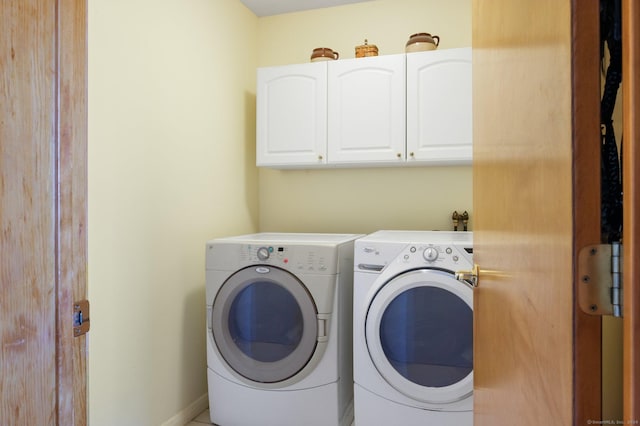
189,413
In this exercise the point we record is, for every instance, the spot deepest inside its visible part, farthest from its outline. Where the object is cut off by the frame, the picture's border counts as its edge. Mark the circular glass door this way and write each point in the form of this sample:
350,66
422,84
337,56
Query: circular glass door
419,331
264,323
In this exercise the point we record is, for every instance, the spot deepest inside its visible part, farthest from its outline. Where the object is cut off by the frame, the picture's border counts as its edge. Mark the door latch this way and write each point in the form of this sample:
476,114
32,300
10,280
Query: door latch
80,318
470,278
600,279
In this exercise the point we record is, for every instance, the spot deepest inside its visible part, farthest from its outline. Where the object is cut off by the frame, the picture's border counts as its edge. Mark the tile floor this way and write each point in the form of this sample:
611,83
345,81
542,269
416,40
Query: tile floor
202,419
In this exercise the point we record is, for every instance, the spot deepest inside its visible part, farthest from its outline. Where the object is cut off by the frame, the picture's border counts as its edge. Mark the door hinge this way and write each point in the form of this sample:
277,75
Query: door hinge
80,318
600,276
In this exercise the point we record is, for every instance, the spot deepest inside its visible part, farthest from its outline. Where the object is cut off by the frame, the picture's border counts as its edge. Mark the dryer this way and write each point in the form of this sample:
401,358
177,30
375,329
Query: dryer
279,329
413,329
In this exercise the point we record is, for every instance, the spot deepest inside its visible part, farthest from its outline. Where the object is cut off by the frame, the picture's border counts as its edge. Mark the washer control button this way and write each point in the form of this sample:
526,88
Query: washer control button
263,253
430,254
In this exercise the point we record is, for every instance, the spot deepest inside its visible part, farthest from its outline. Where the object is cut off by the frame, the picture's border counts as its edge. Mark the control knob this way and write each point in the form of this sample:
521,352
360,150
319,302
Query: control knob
263,253
430,254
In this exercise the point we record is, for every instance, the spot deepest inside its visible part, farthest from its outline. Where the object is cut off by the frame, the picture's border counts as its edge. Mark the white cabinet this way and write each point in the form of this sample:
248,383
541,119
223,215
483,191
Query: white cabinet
366,110
291,127
412,109
439,116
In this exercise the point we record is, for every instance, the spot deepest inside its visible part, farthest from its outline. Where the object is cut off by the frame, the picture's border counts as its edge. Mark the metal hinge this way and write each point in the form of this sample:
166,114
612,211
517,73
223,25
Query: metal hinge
600,274
80,318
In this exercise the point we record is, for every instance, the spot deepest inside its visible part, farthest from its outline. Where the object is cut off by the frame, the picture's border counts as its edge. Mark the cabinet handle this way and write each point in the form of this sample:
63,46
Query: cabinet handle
411,154
399,155
320,157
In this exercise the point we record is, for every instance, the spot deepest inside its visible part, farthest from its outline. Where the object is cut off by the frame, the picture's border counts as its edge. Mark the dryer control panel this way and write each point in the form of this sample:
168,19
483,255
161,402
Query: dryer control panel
292,257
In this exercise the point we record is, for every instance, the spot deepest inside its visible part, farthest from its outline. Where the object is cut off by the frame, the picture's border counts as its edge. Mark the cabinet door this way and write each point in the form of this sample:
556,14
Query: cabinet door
366,101
291,127
439,119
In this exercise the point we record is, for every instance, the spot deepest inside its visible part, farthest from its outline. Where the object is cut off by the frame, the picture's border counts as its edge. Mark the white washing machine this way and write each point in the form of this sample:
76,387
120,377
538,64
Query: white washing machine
413,329
279,329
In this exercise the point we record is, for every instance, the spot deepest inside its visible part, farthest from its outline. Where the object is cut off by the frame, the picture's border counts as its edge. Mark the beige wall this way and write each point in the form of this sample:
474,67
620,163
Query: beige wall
171,164
362,200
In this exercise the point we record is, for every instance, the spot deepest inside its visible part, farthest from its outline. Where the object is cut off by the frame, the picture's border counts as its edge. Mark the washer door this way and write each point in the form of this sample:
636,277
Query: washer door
419,331
264,323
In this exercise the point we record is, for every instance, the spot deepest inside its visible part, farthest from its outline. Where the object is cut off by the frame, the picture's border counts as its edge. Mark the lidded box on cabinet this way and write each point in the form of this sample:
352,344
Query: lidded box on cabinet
366,49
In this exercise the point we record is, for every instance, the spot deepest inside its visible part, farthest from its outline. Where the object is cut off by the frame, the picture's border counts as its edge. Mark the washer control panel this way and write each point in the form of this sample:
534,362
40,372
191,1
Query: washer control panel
436,255
375,258
430,254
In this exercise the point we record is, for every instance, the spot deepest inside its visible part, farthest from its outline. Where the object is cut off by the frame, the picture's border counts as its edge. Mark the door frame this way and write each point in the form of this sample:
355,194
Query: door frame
44,210
631,219
586,204
71,207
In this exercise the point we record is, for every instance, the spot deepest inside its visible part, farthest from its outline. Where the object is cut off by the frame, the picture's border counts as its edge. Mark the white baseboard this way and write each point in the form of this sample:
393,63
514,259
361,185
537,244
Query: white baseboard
189,413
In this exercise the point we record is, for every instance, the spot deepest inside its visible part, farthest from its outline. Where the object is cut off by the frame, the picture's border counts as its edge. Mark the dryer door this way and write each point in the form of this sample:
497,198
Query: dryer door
264,323
419,331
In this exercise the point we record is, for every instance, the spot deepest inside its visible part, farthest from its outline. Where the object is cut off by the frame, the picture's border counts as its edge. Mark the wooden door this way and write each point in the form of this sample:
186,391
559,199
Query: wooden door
536,202
42,211
631,215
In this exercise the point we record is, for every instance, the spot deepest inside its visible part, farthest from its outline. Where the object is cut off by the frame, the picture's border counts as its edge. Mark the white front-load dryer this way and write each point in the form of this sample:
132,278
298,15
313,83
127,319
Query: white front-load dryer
413,329
279,329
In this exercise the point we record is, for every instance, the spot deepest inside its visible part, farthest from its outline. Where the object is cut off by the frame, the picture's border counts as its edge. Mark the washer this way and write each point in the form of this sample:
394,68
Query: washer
279,329
413,329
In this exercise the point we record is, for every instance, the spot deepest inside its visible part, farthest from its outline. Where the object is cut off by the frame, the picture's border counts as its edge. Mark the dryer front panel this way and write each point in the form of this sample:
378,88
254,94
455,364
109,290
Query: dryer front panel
419,334
264,323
